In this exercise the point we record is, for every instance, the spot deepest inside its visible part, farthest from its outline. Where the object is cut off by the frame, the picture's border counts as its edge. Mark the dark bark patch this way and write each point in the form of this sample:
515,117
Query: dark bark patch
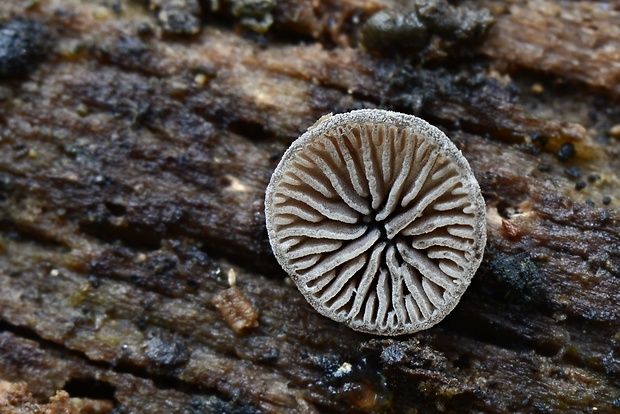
23,44
167,351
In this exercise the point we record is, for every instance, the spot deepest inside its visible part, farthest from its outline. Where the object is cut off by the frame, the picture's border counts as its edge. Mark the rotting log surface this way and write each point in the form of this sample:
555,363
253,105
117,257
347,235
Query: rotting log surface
133,163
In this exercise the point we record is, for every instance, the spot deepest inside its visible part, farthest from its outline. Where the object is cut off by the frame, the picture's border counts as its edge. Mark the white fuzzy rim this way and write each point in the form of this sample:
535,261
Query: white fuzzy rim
345,209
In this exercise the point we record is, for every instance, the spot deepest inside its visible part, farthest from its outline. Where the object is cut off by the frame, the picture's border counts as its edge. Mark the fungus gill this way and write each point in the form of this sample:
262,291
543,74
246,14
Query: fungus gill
378,219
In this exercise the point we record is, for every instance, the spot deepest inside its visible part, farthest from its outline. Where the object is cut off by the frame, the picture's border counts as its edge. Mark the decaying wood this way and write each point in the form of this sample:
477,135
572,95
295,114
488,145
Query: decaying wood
581,40
15,398
133,164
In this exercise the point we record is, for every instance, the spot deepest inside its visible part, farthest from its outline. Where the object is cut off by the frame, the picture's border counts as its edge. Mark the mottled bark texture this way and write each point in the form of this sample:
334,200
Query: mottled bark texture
136,142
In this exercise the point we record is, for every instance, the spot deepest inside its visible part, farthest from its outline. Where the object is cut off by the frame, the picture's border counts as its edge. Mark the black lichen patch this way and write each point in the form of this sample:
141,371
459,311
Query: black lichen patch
391,30
566,152
454,23
572,172
432,24
544,167
125,51
515,278
166,350
23,44
177,17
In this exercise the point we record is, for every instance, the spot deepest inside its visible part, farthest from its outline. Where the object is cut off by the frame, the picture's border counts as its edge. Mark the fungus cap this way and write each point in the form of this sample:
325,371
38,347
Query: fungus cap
378,219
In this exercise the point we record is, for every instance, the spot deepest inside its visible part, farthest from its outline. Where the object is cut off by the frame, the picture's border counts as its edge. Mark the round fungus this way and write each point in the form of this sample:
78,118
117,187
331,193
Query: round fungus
378,219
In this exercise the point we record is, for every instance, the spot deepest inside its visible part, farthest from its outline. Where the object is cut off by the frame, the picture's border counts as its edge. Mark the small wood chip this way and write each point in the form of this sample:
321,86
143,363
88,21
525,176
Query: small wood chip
510,228
614,131
236,310
537,89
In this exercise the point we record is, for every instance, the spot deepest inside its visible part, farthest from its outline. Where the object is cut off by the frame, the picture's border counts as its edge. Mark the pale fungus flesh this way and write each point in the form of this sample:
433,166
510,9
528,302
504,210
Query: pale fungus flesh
378,219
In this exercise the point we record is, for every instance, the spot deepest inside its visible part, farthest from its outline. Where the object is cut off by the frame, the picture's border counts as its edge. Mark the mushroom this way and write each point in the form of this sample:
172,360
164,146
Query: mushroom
378,219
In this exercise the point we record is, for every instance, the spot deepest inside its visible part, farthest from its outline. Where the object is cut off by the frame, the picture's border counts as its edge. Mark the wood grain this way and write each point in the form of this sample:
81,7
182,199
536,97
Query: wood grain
133,165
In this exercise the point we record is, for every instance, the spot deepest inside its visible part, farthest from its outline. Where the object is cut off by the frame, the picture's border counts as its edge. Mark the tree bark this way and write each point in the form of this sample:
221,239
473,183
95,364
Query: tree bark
134,154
